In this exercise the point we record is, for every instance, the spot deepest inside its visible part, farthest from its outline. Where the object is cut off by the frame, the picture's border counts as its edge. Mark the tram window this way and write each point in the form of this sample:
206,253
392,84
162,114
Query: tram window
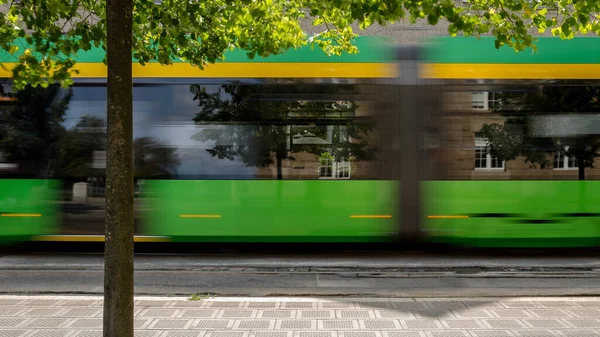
536,133
195,132
261,131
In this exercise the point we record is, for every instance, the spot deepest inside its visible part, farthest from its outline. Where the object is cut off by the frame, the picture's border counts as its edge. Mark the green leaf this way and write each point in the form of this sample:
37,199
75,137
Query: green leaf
432,19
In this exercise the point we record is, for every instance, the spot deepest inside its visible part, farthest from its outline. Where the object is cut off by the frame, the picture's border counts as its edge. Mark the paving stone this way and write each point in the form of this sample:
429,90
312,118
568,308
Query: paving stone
151,304
317,314
276,314
139,323
420,324
41,312
556,304
184,334
353,314
433,314
224,304
52,333
255,324
41,303
579,333
404,334
545,323
296,325
269,334
78,303
503,323
338,305
198,313
446,305
82,312
510,313
409,305
584,323
584,312
461,324
472,313
533,333
213,324
448,333
315,334
338,325
157,313
477,304
490,333
373,305
520,304
548,313
47,322
237,314
379,324
163,323
13,332
357,334
587,304
10,301
88,323
225,334
146,333
89,333
299,305
186,304
262,305
393,314
11,311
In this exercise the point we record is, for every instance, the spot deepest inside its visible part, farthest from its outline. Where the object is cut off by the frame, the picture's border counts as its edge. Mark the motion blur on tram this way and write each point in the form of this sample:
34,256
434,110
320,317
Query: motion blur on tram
477,147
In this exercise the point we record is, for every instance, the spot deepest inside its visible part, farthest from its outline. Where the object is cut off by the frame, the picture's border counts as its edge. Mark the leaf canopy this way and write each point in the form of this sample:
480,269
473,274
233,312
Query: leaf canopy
199,32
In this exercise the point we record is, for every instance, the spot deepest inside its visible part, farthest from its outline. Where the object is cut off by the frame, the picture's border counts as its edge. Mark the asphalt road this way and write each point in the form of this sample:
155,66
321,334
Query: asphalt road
389,276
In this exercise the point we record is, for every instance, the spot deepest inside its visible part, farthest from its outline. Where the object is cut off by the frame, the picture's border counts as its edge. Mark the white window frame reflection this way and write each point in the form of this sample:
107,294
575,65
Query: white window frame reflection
481,145
7,166
337,169
479,100
564,162
484,100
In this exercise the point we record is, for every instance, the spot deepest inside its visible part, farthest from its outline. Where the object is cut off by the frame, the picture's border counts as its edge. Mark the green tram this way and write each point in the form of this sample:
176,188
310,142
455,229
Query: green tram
302,147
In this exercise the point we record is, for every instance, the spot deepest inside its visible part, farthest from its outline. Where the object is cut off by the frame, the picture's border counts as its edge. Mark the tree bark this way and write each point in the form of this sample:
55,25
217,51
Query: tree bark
279,159
581,169
118,253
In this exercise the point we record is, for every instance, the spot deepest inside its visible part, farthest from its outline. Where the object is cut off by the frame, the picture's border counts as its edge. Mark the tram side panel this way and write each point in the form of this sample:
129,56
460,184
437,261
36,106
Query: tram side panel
287,168
483,201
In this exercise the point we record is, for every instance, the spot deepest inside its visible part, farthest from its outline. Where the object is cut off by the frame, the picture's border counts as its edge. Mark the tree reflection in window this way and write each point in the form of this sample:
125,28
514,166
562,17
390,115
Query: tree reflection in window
265,125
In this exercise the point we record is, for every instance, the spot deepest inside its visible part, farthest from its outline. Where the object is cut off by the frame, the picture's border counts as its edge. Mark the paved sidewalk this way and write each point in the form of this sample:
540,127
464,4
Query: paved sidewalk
71,316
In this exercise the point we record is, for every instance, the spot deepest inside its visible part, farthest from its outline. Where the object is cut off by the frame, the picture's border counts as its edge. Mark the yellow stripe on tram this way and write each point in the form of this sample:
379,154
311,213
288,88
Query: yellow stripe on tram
201,216
447,217
342,70
20,215
510,71
95,238
375,216
240,70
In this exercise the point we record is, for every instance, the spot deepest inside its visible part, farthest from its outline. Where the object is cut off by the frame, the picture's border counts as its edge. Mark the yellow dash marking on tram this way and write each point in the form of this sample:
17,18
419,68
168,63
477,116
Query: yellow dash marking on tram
95,238
21,215
510,71
204,216
447,216
371,216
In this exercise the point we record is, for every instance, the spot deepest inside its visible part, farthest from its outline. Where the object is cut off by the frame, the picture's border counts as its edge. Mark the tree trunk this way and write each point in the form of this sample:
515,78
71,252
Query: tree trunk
118,253
279,159
581,169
